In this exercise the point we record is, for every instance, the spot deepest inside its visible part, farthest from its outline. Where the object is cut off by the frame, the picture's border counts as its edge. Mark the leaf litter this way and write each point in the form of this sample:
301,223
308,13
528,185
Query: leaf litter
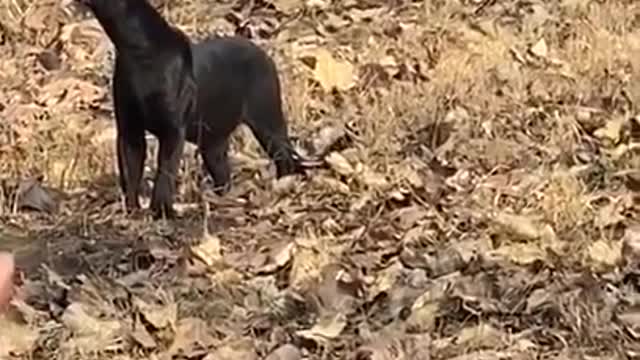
477,194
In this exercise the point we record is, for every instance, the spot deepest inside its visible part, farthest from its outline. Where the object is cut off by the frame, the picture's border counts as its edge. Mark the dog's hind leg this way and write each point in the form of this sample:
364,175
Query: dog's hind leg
263,114
215,156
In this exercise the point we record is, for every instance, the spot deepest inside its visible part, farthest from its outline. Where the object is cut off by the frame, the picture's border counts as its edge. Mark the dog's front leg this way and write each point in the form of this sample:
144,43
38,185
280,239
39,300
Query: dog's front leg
169,153
131,151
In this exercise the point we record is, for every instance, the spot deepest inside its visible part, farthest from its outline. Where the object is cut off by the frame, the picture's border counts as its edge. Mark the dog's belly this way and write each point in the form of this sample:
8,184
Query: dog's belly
212,128
219,113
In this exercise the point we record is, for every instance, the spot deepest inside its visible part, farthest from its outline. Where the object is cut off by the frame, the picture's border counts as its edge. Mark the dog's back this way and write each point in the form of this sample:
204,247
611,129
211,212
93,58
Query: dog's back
228,70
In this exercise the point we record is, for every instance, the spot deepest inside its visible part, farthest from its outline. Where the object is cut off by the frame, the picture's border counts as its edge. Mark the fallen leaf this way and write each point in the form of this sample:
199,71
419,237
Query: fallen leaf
286,6
233,350
373,179
16,339
285,184
326,138
209,251
631,320
330,72
91,334
366,14
33,196
331,184
423,317
540,48
191,335
278,258
604,252
70,91
338,288
143,338
611,131
339,164
328,327
630,249
40,17
285,352
482,335
335,22
319,4
609,215
521,253
522,227
158,315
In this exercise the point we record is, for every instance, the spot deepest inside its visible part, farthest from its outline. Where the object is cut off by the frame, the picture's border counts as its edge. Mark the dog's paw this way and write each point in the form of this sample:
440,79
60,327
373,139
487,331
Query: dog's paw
162,201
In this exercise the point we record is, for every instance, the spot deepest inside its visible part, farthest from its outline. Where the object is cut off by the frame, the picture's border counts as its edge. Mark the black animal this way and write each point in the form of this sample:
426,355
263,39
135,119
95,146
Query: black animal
180,91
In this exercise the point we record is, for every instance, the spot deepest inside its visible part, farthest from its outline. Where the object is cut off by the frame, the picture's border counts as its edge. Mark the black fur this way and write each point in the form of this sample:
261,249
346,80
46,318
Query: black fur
180,91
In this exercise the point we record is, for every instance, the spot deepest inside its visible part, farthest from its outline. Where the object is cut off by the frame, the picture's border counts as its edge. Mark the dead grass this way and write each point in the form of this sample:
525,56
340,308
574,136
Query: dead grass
475,204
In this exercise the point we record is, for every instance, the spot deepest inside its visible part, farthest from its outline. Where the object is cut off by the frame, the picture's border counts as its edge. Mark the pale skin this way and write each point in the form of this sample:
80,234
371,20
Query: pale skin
7,268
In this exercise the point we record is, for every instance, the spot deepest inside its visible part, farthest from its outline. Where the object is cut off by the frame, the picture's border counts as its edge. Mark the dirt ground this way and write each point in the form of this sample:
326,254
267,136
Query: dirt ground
478,198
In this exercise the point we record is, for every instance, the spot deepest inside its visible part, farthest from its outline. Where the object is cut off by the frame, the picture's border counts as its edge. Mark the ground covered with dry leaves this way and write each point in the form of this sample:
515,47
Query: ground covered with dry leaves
478,199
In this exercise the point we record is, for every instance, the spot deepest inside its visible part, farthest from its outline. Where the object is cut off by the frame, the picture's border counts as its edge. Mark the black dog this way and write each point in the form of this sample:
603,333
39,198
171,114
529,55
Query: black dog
180,91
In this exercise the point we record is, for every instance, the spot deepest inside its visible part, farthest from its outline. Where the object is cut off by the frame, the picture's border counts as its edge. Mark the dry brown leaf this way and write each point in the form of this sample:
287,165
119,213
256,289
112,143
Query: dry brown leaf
319,4
366,14
70,92
21,114
521,253
574,5
209,251
540,49
286,6
326,138
605,253
285,352
482,335
408,173
339,164
631,320
385,280
522,227
373,179
16,339
492,355
286,184
41,17
338,288
91,334
335,21
409,216
331,184
630,249
330,72
608,215
278,258
159,315
32,195
104,137
328,327
423,317
233,350
143,338
610,132
390,65
191,335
